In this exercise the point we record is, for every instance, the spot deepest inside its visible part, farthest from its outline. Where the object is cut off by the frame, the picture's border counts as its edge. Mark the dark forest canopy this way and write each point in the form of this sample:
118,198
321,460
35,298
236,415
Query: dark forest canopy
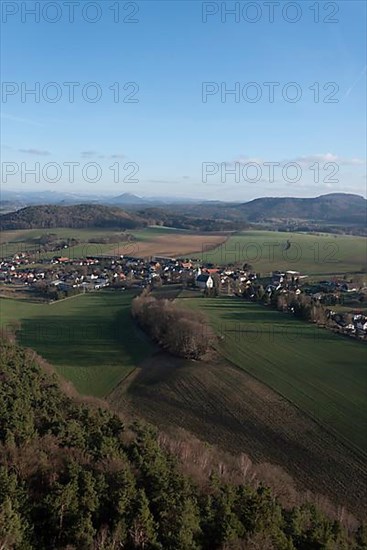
76,216
106,217
75,476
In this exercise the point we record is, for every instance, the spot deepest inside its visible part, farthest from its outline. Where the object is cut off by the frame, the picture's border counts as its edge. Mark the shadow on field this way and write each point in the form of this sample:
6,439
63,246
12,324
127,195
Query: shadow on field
97,332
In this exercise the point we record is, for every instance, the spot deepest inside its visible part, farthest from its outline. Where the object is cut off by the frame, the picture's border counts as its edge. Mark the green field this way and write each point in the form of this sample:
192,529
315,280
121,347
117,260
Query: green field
308,253
26,240
323,374
240,400
311,254
13,242
89,338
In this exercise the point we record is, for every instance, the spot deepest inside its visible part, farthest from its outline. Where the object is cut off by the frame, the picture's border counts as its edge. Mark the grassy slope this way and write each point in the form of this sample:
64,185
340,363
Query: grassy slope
310,253
322,373
88,338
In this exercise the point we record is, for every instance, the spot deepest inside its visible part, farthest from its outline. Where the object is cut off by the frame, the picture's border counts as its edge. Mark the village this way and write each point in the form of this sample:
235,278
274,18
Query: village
61,277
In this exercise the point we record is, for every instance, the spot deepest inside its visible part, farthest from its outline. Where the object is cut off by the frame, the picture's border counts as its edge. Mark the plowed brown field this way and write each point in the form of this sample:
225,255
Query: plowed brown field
175,244
227,407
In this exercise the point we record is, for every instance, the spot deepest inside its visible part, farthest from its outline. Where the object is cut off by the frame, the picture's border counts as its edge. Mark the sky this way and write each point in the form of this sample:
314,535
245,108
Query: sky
209,100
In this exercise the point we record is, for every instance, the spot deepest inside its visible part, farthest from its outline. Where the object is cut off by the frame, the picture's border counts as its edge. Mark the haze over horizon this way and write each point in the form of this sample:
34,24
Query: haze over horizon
192,103
61,196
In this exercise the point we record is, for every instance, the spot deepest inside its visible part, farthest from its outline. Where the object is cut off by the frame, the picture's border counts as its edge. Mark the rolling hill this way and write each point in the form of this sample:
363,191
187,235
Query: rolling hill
129,211
78,216
335,207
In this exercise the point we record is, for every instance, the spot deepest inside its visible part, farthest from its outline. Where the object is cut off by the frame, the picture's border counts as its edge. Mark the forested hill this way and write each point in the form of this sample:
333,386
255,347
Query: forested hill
79,216
73,476
104,217
335,207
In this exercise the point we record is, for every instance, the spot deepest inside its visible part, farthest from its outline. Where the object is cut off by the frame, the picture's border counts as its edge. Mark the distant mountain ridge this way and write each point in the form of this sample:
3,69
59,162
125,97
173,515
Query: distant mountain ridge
335,208
21,199
127,198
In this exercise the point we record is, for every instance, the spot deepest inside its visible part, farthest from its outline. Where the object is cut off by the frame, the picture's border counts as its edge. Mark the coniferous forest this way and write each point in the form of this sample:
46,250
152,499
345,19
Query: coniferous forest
73,475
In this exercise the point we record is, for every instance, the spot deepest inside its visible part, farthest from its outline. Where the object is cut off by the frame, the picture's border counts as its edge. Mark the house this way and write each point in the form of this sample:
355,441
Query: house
270,288
362,326
212,271
100,283
292,275
204,280
277,277
154,266
278,274
348,287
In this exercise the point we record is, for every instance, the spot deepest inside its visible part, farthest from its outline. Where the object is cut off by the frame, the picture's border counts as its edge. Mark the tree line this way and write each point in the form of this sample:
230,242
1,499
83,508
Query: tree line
300,305
178,330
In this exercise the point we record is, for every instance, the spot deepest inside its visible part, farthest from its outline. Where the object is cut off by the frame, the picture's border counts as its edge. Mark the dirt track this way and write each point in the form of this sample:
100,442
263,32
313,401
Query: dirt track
225,406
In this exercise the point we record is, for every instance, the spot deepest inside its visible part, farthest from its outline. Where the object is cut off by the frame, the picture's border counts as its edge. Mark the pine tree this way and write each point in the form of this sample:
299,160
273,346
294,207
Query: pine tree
143,531
11,526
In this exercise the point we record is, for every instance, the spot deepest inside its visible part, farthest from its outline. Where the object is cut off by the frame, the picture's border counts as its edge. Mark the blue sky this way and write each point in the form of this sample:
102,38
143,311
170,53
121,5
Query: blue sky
169,139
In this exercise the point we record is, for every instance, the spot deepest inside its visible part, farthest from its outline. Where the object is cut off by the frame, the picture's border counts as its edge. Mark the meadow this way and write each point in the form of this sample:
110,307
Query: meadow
149,241
309,253
88,338
313,254
323,374
26,240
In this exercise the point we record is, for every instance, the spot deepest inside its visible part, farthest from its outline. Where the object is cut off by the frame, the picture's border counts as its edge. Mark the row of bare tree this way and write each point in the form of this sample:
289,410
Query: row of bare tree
178,330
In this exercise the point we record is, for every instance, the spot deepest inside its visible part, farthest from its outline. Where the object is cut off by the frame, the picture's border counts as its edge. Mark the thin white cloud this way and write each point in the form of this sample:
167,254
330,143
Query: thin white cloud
37,152
95,154
304,160
88,154
13,118
247,160
328,157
